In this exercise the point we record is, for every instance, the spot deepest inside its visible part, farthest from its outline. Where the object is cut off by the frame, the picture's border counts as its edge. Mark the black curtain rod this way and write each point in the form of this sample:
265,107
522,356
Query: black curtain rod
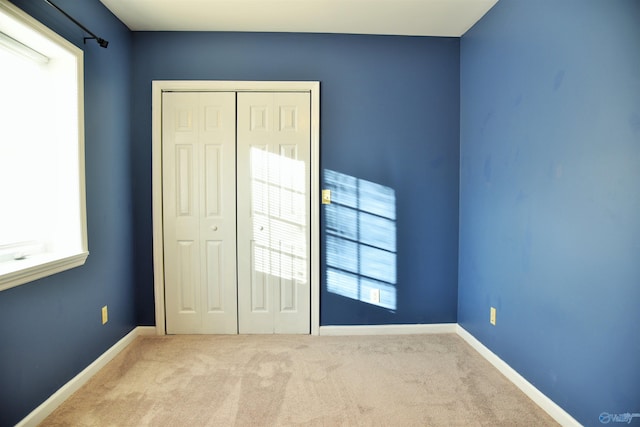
102,42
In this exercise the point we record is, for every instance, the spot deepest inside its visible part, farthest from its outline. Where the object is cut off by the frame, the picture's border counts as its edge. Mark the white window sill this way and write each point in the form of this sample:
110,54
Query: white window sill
18,272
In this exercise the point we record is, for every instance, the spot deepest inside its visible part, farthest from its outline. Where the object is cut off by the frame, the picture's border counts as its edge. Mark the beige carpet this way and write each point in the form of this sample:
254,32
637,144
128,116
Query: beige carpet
275,380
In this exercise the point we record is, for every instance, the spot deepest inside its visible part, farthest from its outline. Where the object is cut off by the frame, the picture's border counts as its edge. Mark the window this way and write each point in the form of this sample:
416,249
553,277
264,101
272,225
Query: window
42,206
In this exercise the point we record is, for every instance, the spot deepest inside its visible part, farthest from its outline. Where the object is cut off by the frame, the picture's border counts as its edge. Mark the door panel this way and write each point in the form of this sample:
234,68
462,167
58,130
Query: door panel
199,215
273,217
186,284
218,212
244,269
215,280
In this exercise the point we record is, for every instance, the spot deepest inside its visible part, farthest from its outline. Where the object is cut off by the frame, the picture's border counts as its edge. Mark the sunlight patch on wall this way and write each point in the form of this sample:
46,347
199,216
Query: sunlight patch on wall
361,240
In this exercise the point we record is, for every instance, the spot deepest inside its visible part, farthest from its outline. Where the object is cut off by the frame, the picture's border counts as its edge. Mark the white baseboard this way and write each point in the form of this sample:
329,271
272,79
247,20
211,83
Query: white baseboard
548,405
437,328
48,406
146,330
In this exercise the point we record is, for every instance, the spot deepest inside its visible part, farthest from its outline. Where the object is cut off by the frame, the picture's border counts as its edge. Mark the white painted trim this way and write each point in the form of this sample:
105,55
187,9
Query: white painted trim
56,399
156,198
160,86
41,269
315,208
546,404
145,331
437,328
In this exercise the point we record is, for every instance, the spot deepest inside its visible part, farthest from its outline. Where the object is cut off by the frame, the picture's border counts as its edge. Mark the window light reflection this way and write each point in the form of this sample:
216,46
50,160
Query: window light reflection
361,240
279,215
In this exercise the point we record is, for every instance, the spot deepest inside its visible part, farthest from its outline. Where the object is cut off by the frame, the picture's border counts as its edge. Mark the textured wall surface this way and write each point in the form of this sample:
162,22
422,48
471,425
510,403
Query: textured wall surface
549,200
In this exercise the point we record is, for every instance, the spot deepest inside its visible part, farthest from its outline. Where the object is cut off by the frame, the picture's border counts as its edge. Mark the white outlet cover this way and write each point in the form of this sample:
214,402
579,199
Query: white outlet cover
374,296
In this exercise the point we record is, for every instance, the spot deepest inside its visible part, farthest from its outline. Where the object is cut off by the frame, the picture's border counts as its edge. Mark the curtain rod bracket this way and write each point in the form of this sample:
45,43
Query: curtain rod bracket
102,42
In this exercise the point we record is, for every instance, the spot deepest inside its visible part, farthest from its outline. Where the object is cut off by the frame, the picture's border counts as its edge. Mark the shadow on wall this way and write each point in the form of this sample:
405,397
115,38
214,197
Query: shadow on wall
361,240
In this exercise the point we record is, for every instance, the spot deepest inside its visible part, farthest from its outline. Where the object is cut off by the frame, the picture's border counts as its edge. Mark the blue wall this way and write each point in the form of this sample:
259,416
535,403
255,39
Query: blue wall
51,329
389,115
550,197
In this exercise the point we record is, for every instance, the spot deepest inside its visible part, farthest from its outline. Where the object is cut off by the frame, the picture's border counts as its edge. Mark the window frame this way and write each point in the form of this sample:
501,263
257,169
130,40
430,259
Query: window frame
50,263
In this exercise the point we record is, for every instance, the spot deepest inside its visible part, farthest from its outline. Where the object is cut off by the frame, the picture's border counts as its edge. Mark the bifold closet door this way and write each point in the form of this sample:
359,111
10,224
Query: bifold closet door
199,211
236,212
273,212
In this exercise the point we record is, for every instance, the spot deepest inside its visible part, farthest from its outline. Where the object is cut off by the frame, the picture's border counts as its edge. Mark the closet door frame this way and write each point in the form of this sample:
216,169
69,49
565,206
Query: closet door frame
160,86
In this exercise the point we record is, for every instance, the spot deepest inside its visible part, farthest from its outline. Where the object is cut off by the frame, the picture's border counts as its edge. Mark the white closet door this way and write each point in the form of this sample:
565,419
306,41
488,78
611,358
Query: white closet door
199,212
273,212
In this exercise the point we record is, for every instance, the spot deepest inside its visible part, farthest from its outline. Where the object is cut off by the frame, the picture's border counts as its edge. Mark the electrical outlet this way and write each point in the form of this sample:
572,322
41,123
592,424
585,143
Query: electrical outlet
105,315
492,316
374,296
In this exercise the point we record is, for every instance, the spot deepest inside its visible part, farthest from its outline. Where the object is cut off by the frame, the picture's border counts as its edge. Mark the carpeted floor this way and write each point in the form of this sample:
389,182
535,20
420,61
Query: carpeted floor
276,380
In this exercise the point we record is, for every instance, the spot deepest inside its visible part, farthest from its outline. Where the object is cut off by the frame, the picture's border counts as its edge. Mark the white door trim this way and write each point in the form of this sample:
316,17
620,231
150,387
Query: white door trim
159,86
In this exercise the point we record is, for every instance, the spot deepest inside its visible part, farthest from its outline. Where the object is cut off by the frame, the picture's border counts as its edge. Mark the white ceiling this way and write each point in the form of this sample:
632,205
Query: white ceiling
443,18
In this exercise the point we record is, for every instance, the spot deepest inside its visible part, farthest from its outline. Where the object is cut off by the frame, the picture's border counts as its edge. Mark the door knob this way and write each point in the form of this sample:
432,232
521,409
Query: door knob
214,227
